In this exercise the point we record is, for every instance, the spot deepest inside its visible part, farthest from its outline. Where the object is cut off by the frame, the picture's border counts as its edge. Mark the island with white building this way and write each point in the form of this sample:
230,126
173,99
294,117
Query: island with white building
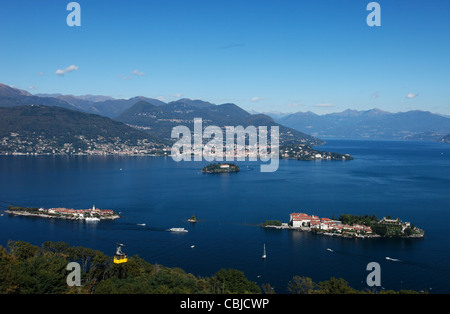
221,168
349,226
91,214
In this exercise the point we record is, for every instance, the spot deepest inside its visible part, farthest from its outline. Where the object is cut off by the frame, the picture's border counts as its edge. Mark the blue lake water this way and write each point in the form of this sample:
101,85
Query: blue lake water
409,180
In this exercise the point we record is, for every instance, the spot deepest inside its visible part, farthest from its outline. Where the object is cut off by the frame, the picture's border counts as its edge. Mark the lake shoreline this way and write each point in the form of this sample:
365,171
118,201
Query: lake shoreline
330,234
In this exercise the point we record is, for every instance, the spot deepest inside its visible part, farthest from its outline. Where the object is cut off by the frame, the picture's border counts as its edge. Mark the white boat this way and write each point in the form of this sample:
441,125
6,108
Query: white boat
178,230
92,219
143,225
192,246
392,259
264,254
330,250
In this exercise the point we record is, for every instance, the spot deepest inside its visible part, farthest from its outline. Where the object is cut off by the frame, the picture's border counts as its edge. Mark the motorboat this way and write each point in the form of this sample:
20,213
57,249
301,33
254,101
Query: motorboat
178,230
92,219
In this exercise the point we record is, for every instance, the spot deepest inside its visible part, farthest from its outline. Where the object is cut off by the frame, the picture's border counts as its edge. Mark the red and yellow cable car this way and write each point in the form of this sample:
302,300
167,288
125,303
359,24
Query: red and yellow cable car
120,257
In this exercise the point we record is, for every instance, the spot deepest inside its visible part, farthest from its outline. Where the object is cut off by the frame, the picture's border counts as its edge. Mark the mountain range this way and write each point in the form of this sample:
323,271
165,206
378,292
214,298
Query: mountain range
153,116
157,118
370,124
11,97
160,120
51,121
101,105
51,130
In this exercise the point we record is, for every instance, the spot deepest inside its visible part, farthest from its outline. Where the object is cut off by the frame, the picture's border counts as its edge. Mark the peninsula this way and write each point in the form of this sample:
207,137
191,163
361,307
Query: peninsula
306,152
446,139
92,214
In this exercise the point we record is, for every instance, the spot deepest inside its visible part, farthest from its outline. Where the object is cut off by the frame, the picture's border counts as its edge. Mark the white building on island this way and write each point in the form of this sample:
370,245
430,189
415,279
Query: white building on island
301,220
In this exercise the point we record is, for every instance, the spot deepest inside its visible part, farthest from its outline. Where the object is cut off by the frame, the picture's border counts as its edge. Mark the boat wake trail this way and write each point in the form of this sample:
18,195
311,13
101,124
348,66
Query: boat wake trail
411,264
133,227
392,259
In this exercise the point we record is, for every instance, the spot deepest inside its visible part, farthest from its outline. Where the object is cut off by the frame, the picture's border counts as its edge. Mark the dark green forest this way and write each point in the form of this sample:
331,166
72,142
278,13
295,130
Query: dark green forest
30,269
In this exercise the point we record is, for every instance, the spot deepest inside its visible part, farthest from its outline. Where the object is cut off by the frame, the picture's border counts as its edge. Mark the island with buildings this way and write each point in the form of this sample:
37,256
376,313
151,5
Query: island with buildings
305,152
221,168
92,214
349,226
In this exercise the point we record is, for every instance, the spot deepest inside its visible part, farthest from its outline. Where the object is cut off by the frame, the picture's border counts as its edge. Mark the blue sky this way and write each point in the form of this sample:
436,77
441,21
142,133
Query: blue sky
277,55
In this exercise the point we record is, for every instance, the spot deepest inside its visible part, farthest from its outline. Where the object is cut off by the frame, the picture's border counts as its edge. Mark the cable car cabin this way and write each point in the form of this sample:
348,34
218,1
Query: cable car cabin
120,257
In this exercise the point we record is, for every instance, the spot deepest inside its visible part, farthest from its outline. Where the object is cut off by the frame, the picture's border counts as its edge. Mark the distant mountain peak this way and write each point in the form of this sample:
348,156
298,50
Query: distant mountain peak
8,91
377,111
95,98
139,97
194,102
184,99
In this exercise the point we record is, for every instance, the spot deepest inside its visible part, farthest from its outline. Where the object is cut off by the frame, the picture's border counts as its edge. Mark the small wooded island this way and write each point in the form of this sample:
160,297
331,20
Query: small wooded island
221,168
193,219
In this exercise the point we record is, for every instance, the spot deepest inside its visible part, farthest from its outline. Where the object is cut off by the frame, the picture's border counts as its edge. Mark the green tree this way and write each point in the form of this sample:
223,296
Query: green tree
267,288
22,250
335,286
301,285
234,281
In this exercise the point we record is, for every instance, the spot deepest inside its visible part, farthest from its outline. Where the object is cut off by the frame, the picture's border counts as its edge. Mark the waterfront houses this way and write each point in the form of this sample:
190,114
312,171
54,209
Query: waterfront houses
80,213
65,213
34,144
307,152
311,222
353,226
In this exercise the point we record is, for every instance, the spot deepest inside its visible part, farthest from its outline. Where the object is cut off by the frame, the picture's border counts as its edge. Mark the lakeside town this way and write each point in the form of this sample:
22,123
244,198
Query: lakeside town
18,144
349,226
92,214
